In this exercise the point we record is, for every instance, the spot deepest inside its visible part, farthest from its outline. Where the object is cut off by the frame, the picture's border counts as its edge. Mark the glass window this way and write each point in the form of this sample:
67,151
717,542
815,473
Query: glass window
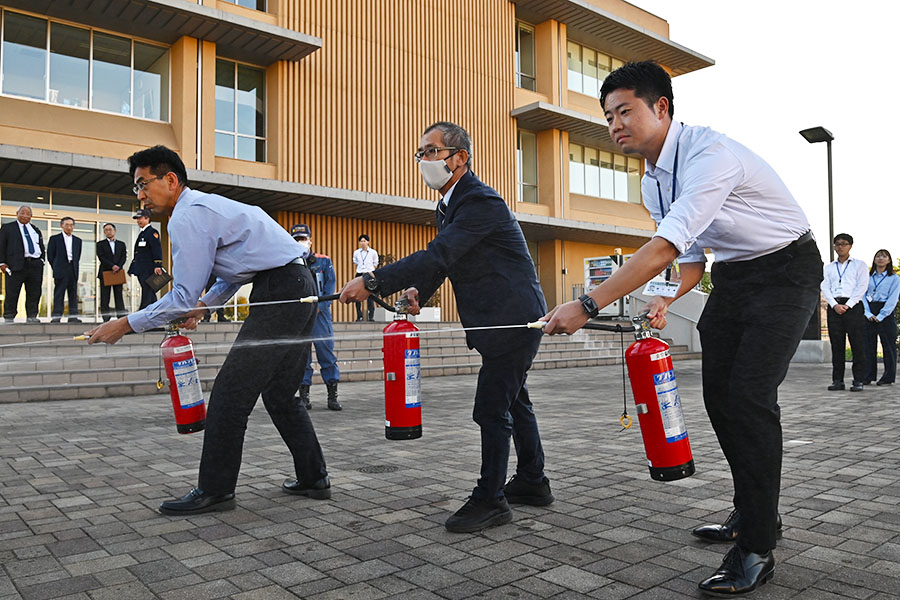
254,4
603,70
574,63
240,111
525,71
15,197
70,51
576,169
621,177
527,163
24,56
606,175
590,85
151,82
63,200
634,180
112,73
118,204
591,172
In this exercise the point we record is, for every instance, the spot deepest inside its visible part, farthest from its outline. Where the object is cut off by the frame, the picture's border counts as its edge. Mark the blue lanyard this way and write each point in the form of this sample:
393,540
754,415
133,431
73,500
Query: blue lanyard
837,267
883,277
662,210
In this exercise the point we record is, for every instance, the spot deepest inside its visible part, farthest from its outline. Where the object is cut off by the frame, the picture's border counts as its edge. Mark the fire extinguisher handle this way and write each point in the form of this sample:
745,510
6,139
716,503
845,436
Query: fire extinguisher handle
617,328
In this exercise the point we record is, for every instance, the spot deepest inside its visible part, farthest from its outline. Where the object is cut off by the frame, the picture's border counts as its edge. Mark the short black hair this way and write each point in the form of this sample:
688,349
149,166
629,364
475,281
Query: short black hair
843,236
64,219
455,136
111,225
646,79
160,160
890,266
363,237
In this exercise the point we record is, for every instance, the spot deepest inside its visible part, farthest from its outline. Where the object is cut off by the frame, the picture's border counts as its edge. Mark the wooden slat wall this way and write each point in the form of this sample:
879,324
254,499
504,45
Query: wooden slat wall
336,237
354,110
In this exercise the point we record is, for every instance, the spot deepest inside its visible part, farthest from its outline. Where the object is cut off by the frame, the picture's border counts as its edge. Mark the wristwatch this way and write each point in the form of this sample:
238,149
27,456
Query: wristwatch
370,282
589,306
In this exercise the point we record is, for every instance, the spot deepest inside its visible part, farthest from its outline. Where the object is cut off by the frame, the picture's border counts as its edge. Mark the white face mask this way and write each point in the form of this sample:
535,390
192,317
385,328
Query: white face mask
304,244
435,173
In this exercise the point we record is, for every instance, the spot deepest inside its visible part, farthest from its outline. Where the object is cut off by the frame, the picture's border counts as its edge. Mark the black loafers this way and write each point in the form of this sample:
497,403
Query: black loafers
741,572
197,502
727,531
519,491
476,515
320,490
836,386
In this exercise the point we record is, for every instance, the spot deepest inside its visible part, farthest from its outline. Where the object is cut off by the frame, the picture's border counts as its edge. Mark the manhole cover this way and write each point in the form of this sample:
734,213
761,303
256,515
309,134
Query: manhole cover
377,469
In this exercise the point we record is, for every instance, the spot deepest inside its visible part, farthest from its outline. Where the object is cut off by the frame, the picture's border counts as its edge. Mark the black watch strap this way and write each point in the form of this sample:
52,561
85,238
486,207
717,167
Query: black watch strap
590,307
370,282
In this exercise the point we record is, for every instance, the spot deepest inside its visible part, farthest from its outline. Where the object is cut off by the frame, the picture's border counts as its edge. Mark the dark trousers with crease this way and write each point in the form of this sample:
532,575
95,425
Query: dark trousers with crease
30,277
263,360
503,410
886,330
63,286
852,325
750,328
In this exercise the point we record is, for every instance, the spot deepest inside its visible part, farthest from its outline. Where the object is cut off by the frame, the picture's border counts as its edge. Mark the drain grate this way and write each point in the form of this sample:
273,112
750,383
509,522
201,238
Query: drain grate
378,469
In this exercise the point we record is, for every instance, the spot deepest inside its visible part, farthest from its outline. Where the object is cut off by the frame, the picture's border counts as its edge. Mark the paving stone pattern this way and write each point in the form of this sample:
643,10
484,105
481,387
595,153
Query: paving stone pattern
80,482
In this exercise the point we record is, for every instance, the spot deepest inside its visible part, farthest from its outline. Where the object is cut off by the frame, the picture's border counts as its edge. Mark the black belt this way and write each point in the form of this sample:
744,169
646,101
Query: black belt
31,258
842,300
805,238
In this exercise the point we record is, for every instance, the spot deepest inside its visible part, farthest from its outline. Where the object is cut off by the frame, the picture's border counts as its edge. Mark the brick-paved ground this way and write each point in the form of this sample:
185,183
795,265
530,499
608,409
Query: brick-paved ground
80,482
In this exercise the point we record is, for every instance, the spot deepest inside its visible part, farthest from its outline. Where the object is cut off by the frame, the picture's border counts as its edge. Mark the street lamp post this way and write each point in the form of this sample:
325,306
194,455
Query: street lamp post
820,134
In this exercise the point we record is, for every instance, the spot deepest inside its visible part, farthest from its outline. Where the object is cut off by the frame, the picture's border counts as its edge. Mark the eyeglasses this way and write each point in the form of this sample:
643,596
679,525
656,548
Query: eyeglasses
842,243
139,187
431,153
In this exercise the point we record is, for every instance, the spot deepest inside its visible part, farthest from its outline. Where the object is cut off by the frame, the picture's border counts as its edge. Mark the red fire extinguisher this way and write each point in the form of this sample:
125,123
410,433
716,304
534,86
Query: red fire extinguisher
184,381
402,368
658,406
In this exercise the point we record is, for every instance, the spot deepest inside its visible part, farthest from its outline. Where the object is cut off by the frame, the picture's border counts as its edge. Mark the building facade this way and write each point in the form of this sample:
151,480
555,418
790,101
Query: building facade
313,109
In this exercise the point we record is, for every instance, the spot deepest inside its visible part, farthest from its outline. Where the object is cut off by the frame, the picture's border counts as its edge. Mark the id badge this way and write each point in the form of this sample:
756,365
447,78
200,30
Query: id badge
838,292
142,243
658,287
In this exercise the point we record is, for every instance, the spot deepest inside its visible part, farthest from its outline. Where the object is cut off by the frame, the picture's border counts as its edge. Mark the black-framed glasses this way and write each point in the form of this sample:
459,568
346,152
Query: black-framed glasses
842,243
431,153
139,187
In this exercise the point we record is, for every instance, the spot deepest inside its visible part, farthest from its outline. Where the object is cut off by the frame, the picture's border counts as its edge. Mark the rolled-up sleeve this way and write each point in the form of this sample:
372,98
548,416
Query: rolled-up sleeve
708,179
193,256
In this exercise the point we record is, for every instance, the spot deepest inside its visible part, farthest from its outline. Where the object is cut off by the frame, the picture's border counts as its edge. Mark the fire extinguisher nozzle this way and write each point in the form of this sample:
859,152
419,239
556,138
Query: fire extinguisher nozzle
536,325
81,338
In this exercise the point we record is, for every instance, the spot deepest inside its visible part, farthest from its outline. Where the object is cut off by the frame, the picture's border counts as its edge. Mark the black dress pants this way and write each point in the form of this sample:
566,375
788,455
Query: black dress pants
750,328
370,310
104,300
851,324
30,276
264,360
148,296
503,409
63,286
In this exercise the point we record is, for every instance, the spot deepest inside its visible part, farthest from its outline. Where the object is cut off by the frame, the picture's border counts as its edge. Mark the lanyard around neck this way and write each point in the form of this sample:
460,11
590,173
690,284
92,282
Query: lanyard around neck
883,277
662,210
837,267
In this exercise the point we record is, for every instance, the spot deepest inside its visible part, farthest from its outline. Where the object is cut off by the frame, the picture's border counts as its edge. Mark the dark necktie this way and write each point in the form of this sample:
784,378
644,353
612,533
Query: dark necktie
28,239
441,213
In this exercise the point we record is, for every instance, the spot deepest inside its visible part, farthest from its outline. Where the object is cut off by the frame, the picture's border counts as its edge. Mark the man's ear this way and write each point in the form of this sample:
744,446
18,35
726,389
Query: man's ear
662,107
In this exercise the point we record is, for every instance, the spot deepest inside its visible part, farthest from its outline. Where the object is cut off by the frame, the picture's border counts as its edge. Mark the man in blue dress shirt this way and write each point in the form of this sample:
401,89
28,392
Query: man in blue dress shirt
239,244
705,190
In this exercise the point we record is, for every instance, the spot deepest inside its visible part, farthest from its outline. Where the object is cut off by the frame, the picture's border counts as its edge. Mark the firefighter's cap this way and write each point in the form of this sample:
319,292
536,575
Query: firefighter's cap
141,212
301,230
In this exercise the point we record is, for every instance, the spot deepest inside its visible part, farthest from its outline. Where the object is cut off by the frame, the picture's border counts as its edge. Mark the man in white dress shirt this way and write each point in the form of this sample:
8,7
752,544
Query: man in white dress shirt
705,190
366,261
22,261
846,281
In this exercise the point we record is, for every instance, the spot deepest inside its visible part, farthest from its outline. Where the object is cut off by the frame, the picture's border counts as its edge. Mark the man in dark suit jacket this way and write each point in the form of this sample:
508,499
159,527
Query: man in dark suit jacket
112,255
63,253
147,256
22,260
480,247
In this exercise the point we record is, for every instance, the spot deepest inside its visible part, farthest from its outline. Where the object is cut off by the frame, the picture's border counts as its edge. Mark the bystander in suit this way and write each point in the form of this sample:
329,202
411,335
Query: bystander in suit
63,253
22,261
112,255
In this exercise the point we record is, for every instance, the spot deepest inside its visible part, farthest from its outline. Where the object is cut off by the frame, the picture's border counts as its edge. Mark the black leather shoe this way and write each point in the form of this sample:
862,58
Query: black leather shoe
320,490
881,382
519,491
74,320
476,515
741,572
196,502
856,386
836,386
727,531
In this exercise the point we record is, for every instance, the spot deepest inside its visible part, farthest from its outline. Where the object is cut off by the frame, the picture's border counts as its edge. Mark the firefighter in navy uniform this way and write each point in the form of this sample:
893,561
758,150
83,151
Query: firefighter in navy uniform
322,332
147,256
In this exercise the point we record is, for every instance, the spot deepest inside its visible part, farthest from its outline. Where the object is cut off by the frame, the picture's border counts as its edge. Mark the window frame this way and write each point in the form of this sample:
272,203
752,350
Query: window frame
520,75
235,134
617,160
611,64
91,30
264,9
521,184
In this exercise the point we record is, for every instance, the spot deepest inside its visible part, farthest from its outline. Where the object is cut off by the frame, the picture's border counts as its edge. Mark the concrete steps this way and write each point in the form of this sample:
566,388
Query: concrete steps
42,362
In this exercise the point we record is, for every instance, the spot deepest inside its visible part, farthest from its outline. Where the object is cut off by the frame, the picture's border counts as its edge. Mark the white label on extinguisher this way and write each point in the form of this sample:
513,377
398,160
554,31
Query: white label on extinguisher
187,379
181,349
670,406
660,355
413,397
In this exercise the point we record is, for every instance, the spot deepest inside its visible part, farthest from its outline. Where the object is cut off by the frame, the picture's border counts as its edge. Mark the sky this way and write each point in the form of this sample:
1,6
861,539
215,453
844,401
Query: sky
793,64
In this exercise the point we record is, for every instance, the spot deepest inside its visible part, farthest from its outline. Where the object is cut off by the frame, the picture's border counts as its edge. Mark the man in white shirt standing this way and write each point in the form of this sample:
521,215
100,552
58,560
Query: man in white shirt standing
63,254
22,261
705,190
845,283
366,261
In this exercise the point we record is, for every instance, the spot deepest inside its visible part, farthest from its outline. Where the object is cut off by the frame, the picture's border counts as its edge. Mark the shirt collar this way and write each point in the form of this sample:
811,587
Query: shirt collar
666,160
446,198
